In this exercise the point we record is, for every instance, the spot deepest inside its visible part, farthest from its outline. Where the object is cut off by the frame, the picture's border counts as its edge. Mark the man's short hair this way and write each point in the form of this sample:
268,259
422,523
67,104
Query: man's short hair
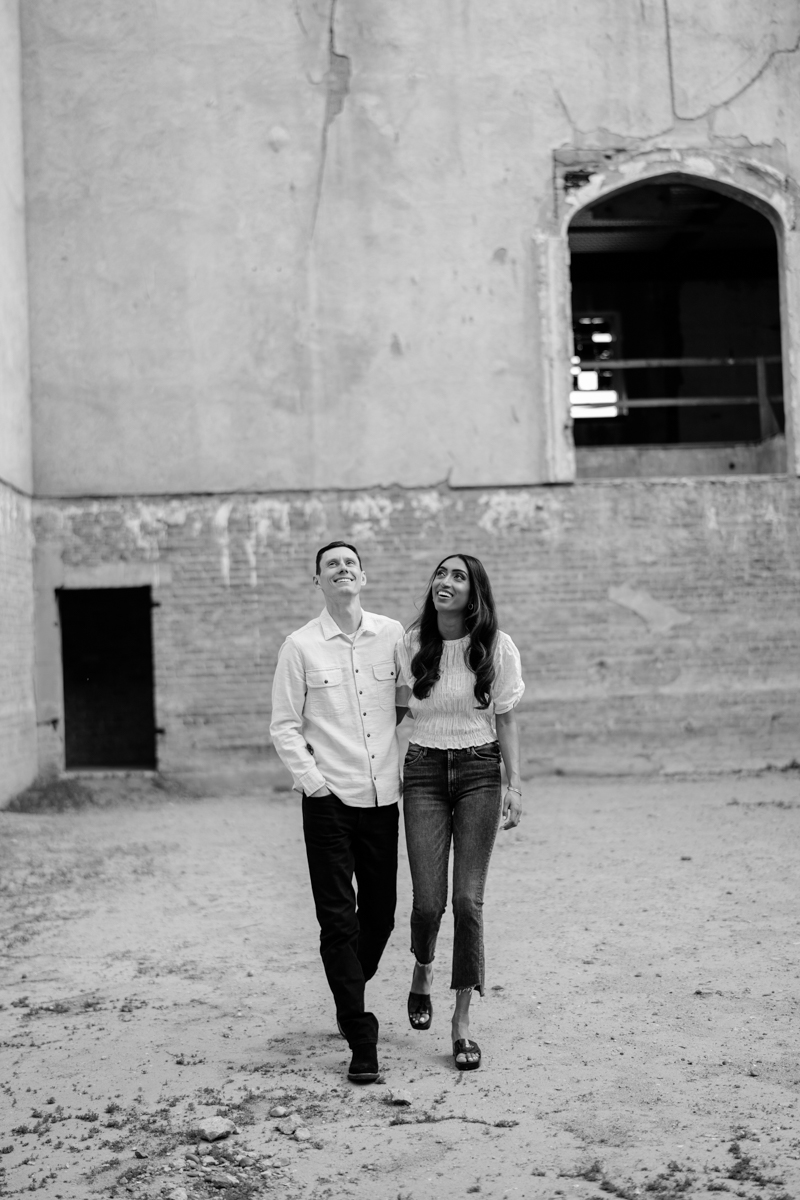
332,546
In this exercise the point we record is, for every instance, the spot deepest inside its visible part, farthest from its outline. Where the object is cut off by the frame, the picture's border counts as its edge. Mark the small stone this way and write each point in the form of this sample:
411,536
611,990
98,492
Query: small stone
400,1097
220,1179
139,1153
754,1071
302,1135
279,1111
178,1194
290,1125
211,1129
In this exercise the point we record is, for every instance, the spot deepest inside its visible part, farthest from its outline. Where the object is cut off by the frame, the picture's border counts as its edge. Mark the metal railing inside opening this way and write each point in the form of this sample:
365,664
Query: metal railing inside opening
599,388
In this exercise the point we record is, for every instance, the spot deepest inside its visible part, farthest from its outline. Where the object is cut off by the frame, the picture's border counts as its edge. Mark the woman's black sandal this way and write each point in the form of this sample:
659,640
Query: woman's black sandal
420,1010
465,1046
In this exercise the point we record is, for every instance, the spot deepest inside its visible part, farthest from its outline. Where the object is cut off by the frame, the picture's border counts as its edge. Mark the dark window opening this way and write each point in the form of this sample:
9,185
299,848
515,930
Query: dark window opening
676,318
107,653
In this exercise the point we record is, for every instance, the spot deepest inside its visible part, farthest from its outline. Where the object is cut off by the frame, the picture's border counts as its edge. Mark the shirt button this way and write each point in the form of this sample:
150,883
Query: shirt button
369,735
363,714
356,670
373,756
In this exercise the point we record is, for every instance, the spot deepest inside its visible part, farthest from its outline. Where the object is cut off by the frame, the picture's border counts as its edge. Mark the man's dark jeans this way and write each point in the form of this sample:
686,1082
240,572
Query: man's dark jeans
341,842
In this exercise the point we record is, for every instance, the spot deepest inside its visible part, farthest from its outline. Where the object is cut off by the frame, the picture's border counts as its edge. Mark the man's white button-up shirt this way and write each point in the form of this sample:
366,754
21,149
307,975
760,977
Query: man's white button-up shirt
333,709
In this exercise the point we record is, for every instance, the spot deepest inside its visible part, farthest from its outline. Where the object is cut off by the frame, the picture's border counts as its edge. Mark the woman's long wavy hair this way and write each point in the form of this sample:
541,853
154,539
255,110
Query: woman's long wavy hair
481,622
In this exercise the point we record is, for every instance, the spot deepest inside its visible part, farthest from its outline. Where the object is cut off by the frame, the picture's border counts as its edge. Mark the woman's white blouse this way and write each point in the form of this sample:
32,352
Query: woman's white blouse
449,718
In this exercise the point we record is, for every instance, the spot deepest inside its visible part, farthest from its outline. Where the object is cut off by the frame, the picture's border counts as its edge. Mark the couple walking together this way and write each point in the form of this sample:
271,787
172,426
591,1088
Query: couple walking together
342,684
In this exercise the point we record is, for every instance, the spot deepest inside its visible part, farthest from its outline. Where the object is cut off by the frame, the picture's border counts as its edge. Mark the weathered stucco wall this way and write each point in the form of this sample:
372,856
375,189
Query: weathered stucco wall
307,244
15,424
17,709
658,621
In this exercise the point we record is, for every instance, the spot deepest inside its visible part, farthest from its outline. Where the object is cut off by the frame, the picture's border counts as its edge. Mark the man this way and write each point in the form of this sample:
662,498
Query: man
333,725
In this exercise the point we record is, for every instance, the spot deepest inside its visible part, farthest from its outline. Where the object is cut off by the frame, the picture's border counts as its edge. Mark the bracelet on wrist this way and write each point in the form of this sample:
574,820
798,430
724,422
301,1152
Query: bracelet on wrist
510,788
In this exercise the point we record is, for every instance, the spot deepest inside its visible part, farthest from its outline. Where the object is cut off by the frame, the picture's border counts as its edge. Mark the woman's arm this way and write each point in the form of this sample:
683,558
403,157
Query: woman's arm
402,695
508,737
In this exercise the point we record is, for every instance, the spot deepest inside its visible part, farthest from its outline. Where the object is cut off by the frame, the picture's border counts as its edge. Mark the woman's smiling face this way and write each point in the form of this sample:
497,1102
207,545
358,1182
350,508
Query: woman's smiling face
450,588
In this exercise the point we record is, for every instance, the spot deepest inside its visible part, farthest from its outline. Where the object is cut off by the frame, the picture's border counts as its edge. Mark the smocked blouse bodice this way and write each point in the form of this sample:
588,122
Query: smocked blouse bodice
449,718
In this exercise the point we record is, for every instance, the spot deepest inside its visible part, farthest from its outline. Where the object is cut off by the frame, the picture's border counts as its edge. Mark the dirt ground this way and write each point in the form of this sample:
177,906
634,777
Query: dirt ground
640,1028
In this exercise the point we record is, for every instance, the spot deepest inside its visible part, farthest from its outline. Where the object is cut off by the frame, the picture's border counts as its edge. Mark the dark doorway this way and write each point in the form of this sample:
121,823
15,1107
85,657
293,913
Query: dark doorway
676,315
107,652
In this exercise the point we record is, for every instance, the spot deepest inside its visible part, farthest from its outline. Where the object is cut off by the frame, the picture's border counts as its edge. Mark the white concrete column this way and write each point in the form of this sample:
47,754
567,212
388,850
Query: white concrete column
17,708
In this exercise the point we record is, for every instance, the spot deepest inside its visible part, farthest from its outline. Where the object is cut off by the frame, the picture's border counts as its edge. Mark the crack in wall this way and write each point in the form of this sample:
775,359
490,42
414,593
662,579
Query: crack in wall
746,86
337,83
670,64
299,17
712,108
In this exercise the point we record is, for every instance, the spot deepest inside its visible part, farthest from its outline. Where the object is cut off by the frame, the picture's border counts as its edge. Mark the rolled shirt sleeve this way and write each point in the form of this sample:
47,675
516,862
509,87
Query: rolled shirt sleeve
402,662
286,726
508,687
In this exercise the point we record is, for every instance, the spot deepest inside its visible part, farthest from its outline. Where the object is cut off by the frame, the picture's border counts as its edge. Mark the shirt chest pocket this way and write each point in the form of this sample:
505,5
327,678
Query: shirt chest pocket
384,675
326,689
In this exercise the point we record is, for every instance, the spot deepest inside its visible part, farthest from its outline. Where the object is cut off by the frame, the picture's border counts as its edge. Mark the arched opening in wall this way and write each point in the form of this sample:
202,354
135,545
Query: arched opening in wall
677,334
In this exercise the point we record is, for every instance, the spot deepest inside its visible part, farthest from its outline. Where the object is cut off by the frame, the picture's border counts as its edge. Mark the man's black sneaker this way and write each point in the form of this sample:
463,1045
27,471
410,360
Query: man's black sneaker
364,1064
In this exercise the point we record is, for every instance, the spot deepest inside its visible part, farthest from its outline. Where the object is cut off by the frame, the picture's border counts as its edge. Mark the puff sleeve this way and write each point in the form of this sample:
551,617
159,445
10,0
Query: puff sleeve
508,685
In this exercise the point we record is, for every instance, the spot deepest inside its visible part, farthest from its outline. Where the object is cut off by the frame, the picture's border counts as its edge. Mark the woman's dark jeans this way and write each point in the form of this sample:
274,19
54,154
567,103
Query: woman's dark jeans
451,794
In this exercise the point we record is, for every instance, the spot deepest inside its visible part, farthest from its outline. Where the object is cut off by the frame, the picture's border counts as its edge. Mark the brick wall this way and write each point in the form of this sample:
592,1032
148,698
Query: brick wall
658,620
17,709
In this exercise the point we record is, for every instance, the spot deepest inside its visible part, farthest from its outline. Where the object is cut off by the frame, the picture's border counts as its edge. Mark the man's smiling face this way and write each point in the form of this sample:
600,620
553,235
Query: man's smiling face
340,573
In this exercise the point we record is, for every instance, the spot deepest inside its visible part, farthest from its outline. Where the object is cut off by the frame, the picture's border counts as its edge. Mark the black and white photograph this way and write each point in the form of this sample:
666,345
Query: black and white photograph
400,599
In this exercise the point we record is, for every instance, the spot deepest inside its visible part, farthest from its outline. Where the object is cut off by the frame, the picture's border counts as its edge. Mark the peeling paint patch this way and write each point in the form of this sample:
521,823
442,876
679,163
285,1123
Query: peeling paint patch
660,618
249,544
700,165
337,85
507,510
270,520
220,524
315,517
586,175
149,524
15,514
370,514
269,523
428,507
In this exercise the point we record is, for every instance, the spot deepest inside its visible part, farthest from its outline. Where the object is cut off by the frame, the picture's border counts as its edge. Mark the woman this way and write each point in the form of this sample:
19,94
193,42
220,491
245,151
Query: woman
461,679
